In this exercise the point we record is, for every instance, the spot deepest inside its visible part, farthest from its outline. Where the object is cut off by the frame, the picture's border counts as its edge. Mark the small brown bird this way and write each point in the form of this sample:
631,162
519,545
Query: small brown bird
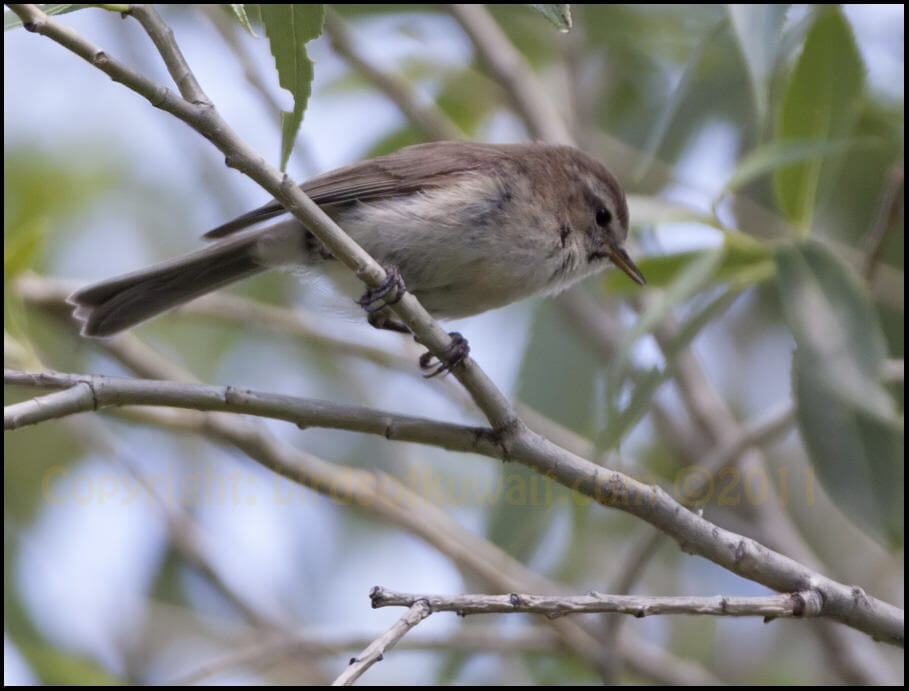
467,227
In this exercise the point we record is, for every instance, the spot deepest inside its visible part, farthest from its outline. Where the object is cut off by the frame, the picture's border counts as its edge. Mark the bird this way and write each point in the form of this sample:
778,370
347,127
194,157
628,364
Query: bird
465,227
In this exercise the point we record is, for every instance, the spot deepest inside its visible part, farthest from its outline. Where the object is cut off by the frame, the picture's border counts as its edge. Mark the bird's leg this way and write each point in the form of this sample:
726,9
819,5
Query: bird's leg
379,319
454,355
376,300
389,291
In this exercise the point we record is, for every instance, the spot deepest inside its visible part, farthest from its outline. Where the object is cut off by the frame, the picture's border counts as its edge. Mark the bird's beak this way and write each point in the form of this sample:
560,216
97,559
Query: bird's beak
620,258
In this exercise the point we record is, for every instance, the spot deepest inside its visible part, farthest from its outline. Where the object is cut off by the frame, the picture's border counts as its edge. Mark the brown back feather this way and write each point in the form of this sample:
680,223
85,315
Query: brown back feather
422,166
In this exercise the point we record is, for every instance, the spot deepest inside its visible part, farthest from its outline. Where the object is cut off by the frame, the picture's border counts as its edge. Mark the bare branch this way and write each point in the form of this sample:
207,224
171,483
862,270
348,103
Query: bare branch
78,398
693,533
85,392
376,650
802,604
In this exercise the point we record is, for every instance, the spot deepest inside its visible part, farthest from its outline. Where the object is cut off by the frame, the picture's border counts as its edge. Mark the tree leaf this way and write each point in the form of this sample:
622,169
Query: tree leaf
559,15
288,28
241,16
776,154
848,419
820,104
757,29
566,397
858,457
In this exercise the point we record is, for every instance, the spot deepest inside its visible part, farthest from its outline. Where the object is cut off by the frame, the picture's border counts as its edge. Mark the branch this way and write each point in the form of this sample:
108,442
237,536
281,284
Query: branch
376,650
694,534
383,497
84,393
802,604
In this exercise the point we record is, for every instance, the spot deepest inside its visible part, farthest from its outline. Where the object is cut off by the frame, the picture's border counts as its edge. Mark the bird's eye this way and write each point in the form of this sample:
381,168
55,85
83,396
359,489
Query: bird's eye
603,217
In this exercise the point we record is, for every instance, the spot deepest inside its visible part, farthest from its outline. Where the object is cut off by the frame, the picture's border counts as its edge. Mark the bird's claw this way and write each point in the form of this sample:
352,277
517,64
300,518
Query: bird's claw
389,291
455,354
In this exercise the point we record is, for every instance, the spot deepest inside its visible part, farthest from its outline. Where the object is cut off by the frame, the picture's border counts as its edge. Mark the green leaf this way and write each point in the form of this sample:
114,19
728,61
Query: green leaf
821,102
559,15
744,262
288,28
776,154
58,668
566,397
757,30
848,419
241,16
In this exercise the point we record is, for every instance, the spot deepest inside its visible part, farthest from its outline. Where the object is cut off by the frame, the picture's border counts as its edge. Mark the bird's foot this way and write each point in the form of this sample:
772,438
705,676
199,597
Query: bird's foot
388,292
455,354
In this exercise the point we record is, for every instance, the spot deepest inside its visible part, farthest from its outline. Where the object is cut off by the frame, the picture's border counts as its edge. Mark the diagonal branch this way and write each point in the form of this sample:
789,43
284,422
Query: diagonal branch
376,650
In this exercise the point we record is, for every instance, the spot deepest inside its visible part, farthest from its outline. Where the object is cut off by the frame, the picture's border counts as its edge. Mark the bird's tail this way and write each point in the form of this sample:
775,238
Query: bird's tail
111,306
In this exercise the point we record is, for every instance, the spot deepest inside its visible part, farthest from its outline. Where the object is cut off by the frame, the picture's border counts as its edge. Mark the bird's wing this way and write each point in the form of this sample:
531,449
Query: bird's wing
423,166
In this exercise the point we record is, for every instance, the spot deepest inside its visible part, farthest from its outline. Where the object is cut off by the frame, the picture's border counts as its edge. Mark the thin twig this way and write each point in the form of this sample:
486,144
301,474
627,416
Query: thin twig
376,650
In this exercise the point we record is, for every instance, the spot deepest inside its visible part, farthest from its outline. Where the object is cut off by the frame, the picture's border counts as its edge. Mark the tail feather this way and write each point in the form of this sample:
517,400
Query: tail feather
111,306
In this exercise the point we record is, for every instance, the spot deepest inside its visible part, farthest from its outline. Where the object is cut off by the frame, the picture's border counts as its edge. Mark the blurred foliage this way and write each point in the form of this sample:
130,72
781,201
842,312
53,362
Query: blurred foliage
776,99
822,99
847,417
